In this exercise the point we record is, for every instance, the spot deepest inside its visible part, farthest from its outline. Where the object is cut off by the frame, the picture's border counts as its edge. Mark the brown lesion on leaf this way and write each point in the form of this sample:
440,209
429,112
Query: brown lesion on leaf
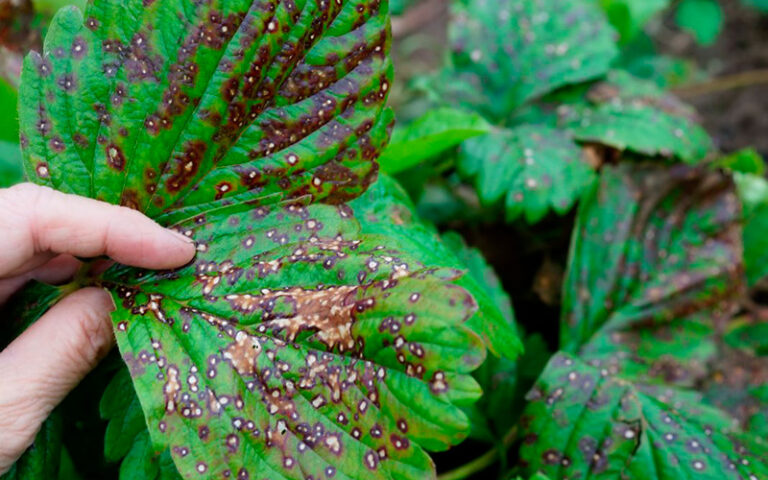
242,353
186,165
329,311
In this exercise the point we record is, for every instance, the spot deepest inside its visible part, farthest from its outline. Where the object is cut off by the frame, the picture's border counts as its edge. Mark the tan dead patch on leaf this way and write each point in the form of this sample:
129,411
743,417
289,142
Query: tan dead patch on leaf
328,311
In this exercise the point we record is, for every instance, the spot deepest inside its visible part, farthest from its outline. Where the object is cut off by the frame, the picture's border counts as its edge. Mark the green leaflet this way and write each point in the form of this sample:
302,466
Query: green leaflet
701,18
534,169
127,438
629,17
583,423
517,50
162,105
431,134
385,209
345,355
655,265
625,113
753,191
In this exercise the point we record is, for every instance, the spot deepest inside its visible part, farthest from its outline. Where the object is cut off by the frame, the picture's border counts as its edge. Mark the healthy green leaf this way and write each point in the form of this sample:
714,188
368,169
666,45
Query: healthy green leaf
161,105
655,265
629,17
535,169
385,209
431,134
295,344
747,160
753,191
517,50
701,18
584,423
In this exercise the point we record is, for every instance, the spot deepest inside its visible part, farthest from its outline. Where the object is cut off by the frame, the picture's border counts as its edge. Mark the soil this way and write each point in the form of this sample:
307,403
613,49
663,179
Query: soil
735,117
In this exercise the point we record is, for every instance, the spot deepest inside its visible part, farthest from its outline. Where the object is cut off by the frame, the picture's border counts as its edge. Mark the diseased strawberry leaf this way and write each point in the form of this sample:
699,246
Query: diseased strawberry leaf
287,348
534,169
625,113
655,269
294,345
516,50
385,209
162,105
584,423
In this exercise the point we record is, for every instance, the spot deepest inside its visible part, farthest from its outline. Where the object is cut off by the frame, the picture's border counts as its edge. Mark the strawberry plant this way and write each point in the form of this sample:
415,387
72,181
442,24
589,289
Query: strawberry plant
341,318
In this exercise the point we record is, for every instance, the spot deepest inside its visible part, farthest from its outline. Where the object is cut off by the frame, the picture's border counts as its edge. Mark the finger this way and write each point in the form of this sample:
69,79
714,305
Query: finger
57,271
39,220
46,362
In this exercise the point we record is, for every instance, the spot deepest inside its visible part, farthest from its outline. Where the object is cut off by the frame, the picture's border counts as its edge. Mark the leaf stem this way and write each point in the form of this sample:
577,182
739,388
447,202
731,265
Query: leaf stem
481,463
720,84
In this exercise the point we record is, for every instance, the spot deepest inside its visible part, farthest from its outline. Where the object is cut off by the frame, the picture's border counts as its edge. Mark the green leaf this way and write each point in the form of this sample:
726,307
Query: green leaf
43,458
385,209
431,134
753,191
629,17
761,5
127,437
294,344
505,384
534,169
701,18
655,265
584,423
626,113
517,50
164,105
747,160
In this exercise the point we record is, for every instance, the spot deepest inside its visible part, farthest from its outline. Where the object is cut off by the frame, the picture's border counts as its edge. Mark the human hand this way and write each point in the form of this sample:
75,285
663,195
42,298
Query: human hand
41,232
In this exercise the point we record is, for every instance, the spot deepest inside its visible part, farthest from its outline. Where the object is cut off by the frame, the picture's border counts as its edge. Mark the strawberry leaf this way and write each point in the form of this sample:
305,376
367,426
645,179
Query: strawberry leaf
161,105
625,113
655,268
348,372
517,50
385,209
534,169
584,423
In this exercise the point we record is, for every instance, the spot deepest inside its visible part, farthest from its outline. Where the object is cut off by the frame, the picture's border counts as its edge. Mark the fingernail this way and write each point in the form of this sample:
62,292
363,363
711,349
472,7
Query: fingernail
181,236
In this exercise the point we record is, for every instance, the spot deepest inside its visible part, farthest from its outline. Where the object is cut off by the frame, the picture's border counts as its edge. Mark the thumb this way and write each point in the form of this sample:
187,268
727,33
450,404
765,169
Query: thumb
48,360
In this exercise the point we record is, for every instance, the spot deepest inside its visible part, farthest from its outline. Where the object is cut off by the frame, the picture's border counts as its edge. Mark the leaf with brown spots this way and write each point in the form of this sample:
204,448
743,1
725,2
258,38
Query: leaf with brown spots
294,347
513,51
161,105
582,422
385,209
655,270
